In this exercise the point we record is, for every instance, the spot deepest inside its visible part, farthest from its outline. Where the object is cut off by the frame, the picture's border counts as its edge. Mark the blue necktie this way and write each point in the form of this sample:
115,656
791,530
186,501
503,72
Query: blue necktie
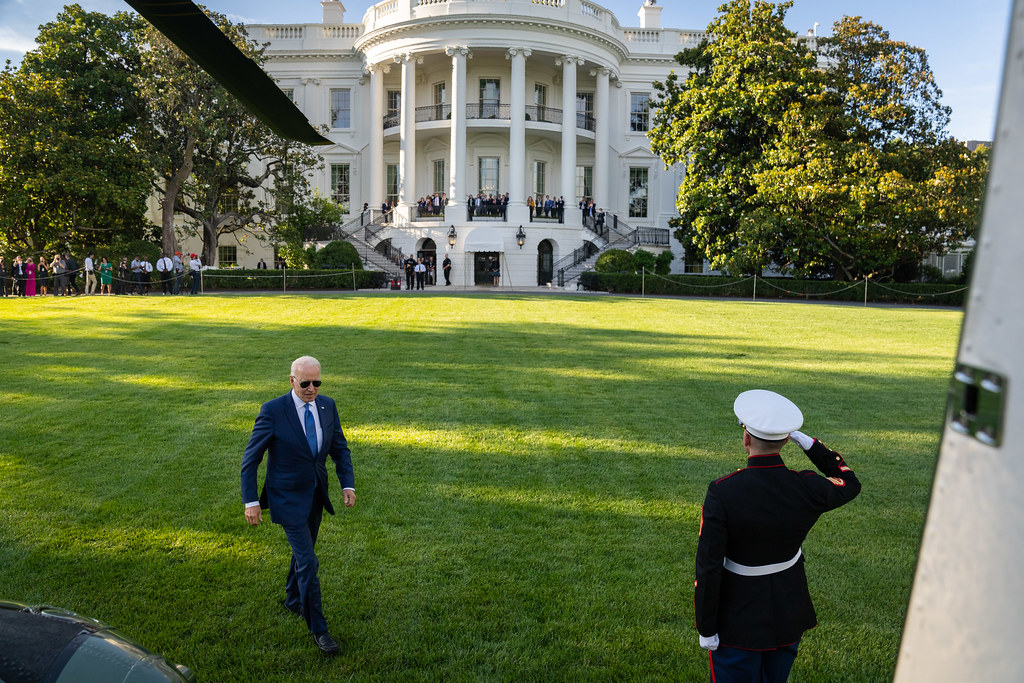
311,431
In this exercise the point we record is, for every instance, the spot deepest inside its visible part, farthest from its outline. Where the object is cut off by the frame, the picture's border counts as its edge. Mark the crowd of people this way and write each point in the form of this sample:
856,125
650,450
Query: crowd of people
432,206
490,205
59,274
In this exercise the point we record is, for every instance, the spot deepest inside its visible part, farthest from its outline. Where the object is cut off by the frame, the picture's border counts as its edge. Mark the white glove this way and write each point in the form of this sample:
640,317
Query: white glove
802,440
709,643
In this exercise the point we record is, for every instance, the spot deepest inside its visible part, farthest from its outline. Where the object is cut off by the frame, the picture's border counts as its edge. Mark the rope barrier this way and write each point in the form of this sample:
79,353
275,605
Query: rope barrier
687,284
790,291
898,291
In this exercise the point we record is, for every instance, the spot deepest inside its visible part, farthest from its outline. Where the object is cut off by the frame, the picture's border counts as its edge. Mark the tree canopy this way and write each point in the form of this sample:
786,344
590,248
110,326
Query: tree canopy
820,157
70,167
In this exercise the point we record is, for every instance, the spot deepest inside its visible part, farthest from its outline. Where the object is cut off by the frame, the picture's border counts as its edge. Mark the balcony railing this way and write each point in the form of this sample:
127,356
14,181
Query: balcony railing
542,114
488,110
534,114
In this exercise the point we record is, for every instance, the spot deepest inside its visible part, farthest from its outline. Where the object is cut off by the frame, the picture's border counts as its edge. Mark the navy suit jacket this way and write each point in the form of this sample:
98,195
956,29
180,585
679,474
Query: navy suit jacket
296,477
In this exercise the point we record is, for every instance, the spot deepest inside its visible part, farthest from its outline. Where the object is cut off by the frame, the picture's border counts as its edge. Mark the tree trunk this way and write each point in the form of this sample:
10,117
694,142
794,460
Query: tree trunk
174,185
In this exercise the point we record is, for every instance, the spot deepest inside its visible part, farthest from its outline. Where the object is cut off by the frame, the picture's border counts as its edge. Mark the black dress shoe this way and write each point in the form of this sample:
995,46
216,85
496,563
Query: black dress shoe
293,610
327,645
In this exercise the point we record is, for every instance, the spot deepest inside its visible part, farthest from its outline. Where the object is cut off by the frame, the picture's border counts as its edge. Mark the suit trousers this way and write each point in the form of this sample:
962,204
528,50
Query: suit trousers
302,588
733,665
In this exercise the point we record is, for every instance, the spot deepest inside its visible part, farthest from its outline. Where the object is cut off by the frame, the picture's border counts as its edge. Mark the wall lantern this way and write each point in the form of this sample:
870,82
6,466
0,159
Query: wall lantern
520,237
452,236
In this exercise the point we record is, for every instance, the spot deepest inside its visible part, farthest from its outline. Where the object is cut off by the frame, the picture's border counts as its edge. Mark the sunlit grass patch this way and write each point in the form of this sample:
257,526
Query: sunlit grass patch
529,471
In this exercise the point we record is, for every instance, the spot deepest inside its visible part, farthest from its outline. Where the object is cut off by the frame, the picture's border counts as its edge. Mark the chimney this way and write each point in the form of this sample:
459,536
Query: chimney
334,12
650,14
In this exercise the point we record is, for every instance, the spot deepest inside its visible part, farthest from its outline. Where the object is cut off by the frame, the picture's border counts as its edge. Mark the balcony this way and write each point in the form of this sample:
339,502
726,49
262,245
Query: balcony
494,111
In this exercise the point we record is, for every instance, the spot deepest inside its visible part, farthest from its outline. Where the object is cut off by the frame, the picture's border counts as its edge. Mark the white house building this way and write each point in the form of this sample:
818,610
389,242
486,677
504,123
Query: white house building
468,99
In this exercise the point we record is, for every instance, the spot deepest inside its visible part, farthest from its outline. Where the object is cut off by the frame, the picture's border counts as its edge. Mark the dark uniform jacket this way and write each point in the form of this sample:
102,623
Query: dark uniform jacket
759,516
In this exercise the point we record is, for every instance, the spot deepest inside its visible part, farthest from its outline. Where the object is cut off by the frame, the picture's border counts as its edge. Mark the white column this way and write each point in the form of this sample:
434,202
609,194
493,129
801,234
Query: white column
568,189
602,111
376,160
407,139
517,211
457,149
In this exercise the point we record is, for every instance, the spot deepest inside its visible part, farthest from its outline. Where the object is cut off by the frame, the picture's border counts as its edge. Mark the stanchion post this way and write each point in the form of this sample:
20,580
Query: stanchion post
202,283
865,291
755,287
353,277
284,279
643,281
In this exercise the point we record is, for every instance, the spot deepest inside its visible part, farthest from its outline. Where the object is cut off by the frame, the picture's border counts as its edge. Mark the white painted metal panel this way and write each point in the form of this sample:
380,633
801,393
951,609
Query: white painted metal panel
966,615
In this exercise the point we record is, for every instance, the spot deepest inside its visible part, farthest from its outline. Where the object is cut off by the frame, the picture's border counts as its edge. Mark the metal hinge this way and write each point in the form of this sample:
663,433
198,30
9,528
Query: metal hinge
976,399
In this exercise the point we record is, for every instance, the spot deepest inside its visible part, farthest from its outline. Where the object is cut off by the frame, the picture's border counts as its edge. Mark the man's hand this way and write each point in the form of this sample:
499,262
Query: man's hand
802,440
350,497
254,515
710,643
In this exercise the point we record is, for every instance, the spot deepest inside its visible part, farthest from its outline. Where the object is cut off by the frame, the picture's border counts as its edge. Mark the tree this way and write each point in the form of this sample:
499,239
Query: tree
214,161
70,171
741,82
851,173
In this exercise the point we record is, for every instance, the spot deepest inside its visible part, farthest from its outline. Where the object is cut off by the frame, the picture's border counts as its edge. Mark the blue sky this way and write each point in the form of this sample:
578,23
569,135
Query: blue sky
965,40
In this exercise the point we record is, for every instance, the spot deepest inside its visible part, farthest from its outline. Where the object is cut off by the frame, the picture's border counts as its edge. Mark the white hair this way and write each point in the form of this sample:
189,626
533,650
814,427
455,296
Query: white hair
304,361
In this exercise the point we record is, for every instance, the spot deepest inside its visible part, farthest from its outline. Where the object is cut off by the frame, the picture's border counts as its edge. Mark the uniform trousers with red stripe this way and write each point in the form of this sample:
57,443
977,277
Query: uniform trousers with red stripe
734,665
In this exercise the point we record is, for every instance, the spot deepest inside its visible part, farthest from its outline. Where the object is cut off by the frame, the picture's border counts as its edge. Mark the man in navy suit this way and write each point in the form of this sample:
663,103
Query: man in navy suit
298,431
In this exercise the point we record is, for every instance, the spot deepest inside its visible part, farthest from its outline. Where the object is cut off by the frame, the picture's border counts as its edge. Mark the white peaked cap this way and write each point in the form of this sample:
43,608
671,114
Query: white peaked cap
767,415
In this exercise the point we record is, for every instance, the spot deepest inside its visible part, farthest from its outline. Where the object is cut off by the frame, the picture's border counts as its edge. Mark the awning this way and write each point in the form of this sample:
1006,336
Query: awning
484,239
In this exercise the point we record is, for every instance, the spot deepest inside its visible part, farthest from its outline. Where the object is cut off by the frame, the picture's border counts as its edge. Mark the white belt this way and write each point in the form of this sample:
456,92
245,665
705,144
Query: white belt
761,570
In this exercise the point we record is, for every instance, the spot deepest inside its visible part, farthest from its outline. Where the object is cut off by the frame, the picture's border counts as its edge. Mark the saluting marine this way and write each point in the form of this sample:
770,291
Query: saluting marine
751,600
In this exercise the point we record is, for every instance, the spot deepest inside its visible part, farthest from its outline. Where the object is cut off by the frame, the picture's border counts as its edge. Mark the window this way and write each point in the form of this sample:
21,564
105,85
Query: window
227,257
440,100
585,182
585,110
540,95
391,184
393,115
539,179
228,201
341,108
639,119
638,192
289,93
340,184
488,174
440,180
490,97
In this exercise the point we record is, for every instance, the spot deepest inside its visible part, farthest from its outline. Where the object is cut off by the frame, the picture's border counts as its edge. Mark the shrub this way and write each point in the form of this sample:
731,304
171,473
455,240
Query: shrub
337,254
615,261
643,260
663,263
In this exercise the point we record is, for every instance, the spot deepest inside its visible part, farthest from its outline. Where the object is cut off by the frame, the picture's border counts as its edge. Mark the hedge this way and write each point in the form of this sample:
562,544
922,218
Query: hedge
776,288
295,279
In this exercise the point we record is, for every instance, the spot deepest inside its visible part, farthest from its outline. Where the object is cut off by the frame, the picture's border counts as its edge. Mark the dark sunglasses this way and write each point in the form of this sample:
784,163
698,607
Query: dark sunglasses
314,382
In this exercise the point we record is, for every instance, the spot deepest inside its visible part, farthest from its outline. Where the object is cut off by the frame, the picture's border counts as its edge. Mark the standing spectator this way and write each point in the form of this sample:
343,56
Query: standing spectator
164,267
106,275
179,271
4,274
30,277
262,265
18,276
195,268
410,266
42,276
72,269
529,205
90,275
446,266
495,272
60,275
124,275
147,274
421,272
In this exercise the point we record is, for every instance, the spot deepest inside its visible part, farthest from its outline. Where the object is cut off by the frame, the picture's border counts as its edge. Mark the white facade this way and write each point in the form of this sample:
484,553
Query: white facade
468,96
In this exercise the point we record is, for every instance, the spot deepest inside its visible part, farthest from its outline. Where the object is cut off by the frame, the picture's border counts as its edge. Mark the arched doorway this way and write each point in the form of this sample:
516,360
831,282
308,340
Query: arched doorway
428,252
545,263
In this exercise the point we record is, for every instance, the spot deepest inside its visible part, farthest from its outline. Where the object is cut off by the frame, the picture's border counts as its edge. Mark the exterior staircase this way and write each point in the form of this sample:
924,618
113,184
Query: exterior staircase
614,235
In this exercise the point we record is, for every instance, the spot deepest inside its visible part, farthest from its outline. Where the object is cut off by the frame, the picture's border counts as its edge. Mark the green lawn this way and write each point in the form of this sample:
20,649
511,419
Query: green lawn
529,472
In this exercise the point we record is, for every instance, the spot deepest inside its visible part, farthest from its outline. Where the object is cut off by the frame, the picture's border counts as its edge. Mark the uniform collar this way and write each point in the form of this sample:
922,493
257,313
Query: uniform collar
767,460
